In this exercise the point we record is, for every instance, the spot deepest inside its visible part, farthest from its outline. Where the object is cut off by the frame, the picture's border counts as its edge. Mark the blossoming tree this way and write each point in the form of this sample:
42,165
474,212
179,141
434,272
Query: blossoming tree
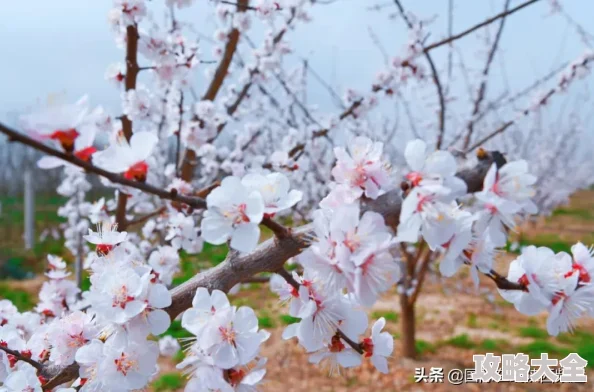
374,224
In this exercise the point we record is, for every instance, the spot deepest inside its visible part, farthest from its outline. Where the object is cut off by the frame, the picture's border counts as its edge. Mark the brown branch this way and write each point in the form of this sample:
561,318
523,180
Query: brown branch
279,230
425,260
130,84
202,193
490,136
144,218
116,178
483,86
256,279
131,71
120,213
246,87
178,133
502,283
484,23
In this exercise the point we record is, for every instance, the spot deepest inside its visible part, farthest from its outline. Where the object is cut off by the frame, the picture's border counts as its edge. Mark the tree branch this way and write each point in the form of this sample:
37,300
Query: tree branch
130,84
484,23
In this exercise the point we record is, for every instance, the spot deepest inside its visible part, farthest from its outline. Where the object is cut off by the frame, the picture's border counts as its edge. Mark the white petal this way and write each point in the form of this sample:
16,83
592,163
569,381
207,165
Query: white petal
380,363
159,321
49,162
245,237
159,296
142,144
415,154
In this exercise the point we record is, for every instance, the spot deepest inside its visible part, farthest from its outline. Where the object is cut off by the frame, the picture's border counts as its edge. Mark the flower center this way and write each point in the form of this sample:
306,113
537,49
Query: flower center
123,364
122,298
336,345
415,178
137,171
241,216
228,335
584,276
77,340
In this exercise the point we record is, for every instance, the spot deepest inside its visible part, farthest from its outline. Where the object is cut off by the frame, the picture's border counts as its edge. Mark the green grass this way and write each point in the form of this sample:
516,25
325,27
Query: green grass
190,265
494,345
574,213
423,347
471,321
168,382
581,342
388,315
175,330
461,341
552,241
286,319
21,299
265,321
533,332
538,347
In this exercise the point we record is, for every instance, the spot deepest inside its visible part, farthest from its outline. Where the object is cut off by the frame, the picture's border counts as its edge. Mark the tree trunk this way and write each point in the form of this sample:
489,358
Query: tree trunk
407,320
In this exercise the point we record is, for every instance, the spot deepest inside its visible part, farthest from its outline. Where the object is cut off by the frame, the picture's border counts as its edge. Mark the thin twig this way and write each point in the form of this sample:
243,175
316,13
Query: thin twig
484,23
483,86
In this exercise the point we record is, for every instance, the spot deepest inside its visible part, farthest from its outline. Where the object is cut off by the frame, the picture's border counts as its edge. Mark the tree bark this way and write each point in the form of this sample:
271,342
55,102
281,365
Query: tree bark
407,324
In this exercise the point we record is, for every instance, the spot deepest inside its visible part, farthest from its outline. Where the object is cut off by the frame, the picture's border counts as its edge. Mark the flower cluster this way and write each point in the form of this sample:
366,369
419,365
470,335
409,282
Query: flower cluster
227,340
559,283
237,207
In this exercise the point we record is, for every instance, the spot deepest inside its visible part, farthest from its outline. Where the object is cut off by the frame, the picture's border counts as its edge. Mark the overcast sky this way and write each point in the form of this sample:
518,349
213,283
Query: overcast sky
56,46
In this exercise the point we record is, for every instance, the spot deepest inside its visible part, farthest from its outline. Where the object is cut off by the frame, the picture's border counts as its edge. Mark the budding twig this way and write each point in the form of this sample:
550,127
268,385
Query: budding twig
116,178
22,357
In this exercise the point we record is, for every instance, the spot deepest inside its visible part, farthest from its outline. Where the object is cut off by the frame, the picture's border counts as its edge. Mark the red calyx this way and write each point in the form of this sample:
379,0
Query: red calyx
66,138
85,154
137,172
103,249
